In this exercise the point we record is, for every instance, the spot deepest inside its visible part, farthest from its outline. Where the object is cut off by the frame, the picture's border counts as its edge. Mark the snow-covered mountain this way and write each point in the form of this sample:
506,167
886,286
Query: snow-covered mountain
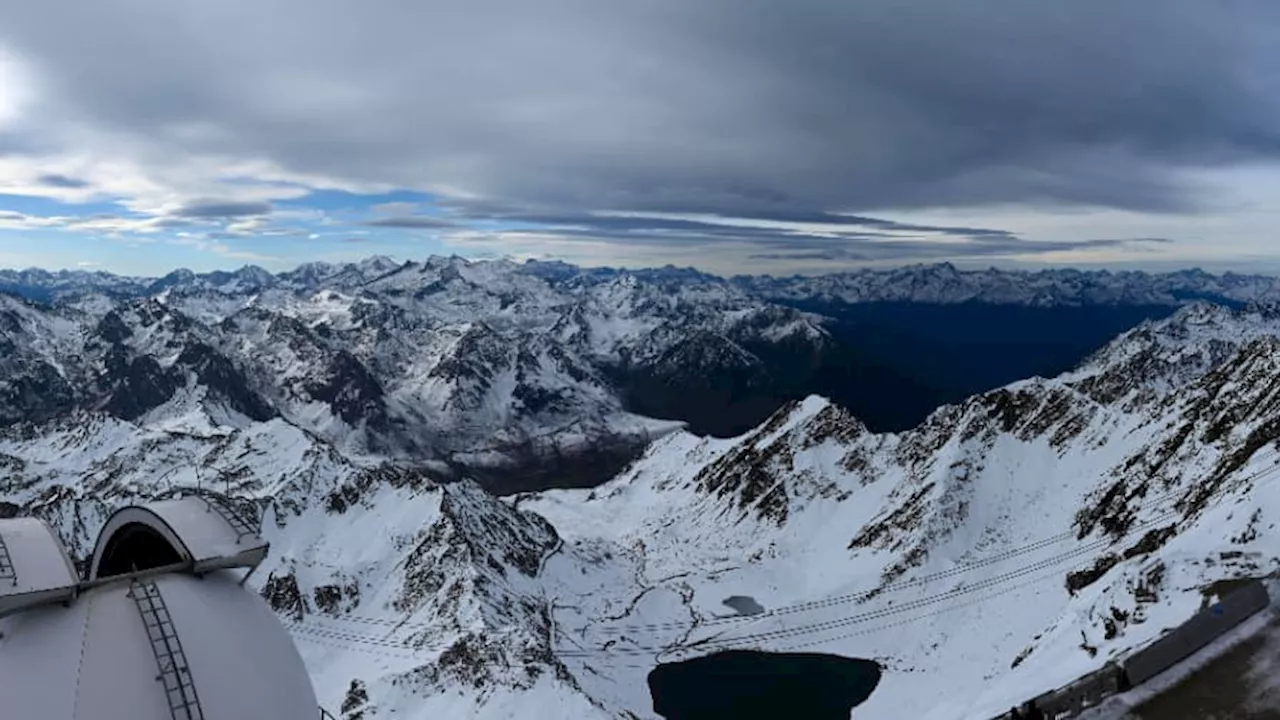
944,283
1005,546
46,286
479,367
719,354
936,283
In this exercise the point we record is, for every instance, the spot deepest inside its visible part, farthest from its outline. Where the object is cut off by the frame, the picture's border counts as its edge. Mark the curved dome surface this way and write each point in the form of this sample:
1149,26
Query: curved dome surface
34,567
169,646
193,529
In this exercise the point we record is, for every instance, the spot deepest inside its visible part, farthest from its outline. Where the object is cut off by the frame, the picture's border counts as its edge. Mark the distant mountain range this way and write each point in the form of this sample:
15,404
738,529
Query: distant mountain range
987,549
537,373
486,369
944,284
939,283
1006,545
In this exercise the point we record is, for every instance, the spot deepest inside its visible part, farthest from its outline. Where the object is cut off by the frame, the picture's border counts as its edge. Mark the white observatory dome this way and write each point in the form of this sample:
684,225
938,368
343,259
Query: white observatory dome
162,629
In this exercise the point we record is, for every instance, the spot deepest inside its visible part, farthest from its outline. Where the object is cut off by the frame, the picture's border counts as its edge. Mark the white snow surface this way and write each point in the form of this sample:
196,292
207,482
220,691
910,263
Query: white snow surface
942,552
964,587
419,360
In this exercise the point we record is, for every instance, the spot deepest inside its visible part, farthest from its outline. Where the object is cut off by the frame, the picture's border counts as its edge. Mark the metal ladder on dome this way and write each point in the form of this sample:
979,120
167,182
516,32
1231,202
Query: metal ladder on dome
7,571
224,506
175,674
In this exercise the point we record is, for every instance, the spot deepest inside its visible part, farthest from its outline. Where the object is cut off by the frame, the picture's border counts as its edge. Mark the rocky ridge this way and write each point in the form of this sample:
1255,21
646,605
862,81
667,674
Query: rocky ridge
483,369
1008,544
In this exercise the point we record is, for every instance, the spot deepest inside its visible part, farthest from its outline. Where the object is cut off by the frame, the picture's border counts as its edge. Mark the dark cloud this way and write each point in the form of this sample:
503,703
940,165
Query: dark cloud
355,239
834,255
410,222
1111,242
222,209
875,227
735,107
753,227
62,181
845,246
933,251
781,235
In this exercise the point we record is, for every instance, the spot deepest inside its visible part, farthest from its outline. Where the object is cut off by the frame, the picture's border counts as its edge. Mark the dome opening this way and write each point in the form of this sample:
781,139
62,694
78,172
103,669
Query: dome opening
133,547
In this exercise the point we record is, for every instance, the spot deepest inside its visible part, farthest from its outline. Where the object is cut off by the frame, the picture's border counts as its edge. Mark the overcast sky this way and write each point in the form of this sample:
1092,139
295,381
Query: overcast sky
731,135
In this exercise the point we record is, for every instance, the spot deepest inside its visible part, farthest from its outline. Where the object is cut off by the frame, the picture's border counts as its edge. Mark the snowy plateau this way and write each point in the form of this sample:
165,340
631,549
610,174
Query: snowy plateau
1007,545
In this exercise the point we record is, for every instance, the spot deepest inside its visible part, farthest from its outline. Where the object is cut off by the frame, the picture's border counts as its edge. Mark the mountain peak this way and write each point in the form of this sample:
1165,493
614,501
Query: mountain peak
256,274
1083,512
379,264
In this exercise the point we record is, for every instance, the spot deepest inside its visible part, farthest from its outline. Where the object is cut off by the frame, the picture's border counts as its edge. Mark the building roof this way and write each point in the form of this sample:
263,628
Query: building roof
95,659
203,529
34,568
162,628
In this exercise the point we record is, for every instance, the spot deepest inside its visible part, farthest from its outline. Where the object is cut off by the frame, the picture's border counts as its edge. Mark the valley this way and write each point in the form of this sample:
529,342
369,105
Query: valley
1009,543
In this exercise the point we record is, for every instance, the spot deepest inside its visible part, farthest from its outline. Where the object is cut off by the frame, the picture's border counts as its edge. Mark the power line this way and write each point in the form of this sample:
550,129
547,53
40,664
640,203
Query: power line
340,635
1147,504
989,583
918,618
853,620
908,606
788,609
362,643
929,600
844,636
316,640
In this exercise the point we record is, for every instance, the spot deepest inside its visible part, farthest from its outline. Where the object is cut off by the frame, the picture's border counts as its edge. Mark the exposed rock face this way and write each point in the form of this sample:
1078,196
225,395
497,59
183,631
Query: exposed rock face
285,598
32,342
650,333
485,368
1040,524
1008,543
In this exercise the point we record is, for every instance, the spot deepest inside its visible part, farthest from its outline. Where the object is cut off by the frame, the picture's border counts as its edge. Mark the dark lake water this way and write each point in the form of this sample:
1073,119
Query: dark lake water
751,685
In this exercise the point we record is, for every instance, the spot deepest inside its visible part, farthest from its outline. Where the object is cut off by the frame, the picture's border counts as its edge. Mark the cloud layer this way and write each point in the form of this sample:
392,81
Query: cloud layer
546,115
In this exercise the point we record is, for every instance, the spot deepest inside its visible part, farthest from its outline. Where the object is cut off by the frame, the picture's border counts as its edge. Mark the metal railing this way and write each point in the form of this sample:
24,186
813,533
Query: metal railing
237,514
7,571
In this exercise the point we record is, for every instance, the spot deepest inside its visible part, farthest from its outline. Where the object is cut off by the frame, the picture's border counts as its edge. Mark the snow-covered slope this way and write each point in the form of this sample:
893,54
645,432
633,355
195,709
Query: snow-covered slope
430,596
944,283
482,367
1007,545
34,383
